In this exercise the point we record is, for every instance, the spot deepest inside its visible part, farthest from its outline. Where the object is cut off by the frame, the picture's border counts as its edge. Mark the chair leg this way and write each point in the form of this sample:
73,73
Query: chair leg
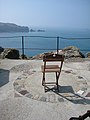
57,77
43,80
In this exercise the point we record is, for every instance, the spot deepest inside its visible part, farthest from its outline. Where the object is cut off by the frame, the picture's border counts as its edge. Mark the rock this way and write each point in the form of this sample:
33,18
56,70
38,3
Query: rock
24,57
88,54
72,51
40,56
10,53
1,50
68,52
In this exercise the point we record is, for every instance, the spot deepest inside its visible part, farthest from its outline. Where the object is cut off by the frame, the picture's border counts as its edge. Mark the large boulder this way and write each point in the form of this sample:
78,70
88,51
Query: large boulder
10,53
68,52
72,51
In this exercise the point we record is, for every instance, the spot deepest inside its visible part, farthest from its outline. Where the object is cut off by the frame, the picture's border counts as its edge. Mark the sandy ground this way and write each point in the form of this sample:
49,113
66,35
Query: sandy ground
22,96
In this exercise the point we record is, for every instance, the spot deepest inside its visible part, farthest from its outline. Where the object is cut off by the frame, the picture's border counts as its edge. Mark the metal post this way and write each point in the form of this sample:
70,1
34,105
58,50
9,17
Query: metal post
57,44
22,47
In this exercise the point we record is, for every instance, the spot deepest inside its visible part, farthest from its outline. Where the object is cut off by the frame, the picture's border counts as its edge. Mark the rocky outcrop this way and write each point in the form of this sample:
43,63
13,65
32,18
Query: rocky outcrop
68,52
10,54
72,51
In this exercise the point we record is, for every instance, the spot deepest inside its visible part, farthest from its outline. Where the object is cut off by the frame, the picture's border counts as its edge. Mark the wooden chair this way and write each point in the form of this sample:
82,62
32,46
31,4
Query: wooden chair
52,67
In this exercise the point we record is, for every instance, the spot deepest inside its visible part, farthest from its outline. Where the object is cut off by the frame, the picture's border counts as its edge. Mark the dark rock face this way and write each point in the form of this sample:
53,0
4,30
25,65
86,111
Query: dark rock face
72,51
1,50
10,54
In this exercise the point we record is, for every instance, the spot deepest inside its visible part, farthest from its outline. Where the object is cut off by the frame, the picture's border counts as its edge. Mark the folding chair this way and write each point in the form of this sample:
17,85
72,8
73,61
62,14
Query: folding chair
52,67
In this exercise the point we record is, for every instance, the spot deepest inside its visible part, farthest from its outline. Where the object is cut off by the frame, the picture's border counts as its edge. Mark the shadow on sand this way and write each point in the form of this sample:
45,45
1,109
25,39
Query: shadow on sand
68,93
4,77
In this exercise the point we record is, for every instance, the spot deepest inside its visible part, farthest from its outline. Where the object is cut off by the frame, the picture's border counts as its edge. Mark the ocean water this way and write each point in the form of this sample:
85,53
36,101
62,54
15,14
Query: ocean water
35,43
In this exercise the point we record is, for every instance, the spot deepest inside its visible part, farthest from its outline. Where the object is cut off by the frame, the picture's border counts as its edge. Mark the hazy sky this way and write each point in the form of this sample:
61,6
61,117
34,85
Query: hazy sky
46,13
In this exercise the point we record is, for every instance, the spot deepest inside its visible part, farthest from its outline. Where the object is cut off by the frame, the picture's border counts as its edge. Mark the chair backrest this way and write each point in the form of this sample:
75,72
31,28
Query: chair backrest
53,58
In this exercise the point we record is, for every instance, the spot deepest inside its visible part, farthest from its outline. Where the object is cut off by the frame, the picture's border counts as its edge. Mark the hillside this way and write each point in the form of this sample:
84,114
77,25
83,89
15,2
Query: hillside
11,27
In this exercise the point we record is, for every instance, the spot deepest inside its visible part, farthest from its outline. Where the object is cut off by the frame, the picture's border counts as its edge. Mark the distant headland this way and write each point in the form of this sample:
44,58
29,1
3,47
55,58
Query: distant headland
11,27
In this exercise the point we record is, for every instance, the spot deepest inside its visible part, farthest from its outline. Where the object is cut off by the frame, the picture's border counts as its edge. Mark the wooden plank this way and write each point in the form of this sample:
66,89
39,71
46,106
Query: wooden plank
51,68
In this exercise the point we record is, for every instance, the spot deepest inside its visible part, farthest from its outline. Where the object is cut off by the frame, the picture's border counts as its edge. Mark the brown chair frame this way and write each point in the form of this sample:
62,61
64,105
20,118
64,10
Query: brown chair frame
52,68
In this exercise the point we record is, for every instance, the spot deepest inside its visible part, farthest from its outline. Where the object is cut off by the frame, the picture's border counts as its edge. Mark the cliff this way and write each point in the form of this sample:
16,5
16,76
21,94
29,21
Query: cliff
11,27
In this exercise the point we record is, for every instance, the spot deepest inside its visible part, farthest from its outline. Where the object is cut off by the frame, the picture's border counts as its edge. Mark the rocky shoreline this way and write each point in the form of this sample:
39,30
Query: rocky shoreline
69,53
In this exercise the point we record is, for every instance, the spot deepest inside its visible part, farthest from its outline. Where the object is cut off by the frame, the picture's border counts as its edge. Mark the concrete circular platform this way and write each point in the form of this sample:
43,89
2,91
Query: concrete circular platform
72,84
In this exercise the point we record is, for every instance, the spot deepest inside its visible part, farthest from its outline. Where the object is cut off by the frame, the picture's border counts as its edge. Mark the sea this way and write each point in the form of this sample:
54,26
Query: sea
38,42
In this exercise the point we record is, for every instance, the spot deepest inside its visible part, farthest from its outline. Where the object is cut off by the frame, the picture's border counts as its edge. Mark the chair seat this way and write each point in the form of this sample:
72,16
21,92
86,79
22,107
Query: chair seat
50,68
